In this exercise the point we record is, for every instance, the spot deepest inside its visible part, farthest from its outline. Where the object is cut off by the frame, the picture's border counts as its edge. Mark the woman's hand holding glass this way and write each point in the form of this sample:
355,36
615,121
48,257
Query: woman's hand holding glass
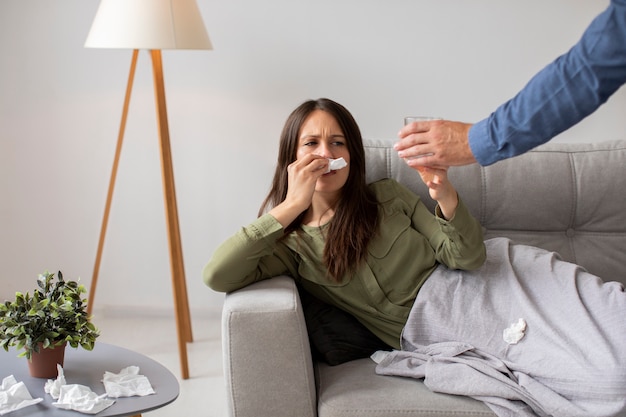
435,177
440,189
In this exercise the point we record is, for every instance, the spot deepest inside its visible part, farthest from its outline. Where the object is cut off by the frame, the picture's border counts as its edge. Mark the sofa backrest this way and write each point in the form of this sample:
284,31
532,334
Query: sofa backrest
567,198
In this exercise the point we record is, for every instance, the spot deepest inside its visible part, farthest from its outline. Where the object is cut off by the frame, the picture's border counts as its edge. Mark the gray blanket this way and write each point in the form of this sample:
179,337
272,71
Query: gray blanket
570,360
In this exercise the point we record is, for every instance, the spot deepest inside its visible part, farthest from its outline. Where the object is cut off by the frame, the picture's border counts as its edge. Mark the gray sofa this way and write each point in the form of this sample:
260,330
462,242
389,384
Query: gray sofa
568,198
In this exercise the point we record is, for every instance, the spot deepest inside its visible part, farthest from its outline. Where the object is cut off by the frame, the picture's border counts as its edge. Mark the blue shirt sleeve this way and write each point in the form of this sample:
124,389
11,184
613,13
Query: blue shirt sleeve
560,95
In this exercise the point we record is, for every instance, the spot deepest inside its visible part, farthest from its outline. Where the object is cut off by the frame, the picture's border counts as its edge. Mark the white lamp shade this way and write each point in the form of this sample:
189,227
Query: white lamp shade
148,24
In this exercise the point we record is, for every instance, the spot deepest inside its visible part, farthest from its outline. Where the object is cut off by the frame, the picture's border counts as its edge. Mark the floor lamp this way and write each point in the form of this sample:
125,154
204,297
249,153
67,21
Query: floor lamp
152,25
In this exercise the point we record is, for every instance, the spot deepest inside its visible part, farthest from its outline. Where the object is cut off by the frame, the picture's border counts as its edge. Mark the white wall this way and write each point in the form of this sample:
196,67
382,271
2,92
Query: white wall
60,106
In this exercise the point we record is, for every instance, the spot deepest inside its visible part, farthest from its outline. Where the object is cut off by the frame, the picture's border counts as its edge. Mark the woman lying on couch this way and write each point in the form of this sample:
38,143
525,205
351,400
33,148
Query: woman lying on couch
510,325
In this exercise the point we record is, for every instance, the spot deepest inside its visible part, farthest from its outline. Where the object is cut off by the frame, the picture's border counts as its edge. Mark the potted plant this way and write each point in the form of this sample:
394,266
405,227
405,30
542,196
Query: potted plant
46,321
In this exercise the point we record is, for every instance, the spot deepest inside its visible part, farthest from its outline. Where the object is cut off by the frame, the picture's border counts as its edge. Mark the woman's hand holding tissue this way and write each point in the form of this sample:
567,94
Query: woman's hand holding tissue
302,176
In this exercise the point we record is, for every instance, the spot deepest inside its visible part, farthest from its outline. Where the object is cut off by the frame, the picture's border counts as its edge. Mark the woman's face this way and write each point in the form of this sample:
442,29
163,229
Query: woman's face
321,135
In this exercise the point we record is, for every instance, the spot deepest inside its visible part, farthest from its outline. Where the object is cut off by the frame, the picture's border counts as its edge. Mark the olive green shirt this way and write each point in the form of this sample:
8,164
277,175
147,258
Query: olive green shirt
409,245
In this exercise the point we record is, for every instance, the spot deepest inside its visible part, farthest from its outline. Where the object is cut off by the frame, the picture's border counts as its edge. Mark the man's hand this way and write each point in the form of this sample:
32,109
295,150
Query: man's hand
435,143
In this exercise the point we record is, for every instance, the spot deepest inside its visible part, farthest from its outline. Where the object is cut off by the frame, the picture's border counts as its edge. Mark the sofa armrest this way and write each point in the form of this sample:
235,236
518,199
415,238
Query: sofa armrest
267,358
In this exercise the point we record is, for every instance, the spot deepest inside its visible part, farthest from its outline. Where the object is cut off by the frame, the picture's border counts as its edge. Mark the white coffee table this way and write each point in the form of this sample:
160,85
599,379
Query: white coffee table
87,368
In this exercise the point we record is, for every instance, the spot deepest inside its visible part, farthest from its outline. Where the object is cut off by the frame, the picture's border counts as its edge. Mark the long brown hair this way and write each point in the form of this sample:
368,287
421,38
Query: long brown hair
356,215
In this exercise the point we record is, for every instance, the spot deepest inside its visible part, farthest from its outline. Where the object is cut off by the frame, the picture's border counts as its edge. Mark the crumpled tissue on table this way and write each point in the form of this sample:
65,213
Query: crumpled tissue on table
127,383
14,395
81,398
75,396
53,386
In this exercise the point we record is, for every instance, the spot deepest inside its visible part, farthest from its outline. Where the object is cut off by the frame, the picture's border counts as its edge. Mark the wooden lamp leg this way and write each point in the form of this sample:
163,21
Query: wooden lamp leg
116,159
181,304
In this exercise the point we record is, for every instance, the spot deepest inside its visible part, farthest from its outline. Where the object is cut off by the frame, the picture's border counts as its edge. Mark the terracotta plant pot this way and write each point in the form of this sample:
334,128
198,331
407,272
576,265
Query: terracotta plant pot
44,363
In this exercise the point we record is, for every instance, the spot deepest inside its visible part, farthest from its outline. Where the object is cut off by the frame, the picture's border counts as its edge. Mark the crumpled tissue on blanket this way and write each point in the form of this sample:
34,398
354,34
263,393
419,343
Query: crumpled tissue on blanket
514,332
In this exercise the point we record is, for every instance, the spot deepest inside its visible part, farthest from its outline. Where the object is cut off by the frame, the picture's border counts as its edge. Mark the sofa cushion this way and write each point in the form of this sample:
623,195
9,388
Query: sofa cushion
354,389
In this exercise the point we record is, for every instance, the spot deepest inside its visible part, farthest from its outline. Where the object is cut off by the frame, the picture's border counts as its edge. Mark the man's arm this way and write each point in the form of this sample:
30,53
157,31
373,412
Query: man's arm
559,96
